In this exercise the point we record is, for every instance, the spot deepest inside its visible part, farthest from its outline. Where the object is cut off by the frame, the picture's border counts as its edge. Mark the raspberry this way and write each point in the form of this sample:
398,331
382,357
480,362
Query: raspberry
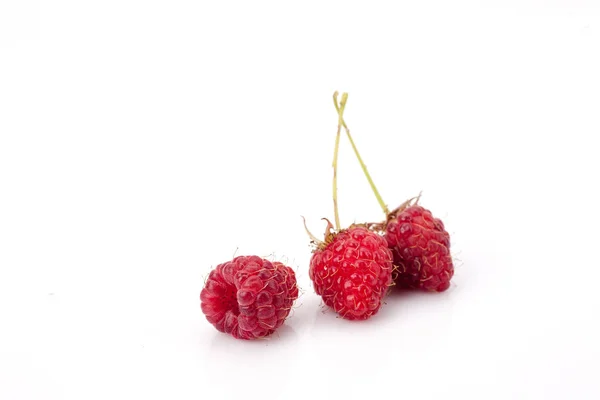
248,297
351,271
421,248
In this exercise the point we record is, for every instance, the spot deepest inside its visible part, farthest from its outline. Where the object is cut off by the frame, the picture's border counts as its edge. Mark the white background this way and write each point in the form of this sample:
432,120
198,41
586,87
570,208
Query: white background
144,142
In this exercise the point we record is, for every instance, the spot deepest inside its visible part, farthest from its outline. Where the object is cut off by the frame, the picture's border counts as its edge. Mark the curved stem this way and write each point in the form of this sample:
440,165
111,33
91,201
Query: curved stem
382,204
312,237
340,109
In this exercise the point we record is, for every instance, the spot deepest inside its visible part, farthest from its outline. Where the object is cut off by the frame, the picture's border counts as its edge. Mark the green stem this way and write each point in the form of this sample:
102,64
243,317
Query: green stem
382,204
340,109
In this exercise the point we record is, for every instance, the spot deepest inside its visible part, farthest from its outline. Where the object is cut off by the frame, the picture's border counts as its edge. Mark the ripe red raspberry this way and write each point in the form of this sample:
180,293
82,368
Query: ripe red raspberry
351,271
421,248
248,297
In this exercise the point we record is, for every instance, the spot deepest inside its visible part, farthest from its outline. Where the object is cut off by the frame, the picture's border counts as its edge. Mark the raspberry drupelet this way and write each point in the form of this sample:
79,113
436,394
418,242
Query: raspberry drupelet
249,297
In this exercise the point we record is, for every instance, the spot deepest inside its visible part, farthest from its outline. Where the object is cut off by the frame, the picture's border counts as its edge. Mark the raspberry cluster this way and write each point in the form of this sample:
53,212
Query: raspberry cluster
352,269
